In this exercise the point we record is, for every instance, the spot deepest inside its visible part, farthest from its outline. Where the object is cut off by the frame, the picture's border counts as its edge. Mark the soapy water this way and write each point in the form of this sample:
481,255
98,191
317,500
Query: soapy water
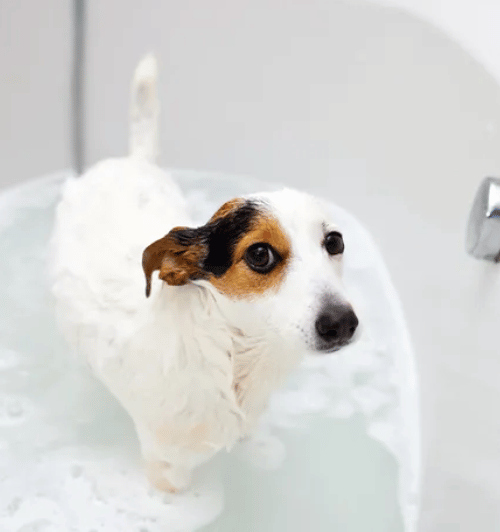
337,450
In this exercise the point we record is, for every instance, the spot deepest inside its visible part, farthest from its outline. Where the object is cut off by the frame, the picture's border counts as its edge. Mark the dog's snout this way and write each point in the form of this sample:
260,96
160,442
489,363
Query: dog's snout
335,326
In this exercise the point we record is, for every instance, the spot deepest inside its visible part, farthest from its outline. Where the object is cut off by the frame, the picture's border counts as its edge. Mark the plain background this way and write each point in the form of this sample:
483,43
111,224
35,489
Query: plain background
364,105
35,58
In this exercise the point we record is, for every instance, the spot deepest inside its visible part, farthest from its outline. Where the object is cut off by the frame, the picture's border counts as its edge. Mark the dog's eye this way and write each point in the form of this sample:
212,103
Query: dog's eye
261,257
334,243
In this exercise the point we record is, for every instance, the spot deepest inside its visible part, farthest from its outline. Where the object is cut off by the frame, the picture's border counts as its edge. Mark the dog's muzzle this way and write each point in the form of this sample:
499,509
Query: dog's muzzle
335,326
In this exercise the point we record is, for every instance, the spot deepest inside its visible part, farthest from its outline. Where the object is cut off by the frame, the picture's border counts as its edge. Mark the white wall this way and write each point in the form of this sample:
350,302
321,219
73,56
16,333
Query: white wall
376,110
472,23
35,40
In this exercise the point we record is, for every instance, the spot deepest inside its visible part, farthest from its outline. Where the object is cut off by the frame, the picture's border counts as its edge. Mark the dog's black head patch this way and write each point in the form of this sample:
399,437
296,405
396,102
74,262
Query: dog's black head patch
186,254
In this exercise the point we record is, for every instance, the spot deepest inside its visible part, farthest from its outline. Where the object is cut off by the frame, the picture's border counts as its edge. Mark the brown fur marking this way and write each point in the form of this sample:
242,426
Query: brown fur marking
225,209
177,263
240,280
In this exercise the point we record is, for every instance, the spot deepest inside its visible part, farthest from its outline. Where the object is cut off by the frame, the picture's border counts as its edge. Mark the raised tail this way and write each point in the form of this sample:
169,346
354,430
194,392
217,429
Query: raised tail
144,111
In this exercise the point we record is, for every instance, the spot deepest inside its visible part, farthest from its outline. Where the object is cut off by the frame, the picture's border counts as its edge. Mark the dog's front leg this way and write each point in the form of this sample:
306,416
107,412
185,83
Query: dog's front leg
170,454
167,477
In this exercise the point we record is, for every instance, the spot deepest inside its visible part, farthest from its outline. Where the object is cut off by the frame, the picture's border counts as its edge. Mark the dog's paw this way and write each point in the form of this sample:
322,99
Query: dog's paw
167,478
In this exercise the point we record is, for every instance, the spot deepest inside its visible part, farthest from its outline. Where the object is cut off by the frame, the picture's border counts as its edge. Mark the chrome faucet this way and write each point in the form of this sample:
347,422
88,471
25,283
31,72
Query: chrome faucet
483,228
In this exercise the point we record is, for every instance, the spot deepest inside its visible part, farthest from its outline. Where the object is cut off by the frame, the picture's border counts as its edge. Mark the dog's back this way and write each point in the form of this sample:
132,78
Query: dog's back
104,221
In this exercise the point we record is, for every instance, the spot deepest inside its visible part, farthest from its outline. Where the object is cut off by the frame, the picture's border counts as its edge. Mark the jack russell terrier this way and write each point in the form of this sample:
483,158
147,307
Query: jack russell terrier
194,352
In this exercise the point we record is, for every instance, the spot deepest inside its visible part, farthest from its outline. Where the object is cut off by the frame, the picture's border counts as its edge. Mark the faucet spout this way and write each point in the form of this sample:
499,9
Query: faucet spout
483,228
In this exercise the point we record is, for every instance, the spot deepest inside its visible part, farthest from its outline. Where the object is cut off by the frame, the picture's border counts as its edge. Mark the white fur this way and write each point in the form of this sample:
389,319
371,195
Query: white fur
172,360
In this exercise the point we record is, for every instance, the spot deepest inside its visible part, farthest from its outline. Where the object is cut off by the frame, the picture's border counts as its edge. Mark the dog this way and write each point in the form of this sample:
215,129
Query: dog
194,351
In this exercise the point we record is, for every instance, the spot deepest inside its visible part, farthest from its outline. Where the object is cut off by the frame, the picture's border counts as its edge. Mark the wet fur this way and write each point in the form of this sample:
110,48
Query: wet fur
194,364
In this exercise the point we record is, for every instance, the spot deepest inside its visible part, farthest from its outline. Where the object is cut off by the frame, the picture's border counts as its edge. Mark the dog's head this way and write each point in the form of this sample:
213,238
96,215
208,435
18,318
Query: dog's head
274,258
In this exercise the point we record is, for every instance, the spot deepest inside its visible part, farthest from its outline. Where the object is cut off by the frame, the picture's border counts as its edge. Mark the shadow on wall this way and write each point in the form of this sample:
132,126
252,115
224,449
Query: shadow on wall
35,54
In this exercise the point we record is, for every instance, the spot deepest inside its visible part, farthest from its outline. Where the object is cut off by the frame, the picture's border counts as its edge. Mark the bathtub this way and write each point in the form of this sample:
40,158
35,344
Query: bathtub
337,449
391,110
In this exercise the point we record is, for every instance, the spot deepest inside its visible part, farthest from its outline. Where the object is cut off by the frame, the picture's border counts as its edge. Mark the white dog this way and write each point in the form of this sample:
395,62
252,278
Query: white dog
234,306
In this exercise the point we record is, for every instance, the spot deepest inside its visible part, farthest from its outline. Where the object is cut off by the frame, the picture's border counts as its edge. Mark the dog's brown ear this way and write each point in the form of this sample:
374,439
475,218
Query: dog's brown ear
187,254
178,256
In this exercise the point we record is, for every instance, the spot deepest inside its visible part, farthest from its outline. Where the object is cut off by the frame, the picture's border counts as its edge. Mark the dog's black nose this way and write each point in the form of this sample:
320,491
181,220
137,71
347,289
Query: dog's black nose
335,326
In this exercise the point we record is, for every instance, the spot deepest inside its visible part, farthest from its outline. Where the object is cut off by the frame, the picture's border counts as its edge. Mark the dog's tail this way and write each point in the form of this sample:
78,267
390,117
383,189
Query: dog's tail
144,110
